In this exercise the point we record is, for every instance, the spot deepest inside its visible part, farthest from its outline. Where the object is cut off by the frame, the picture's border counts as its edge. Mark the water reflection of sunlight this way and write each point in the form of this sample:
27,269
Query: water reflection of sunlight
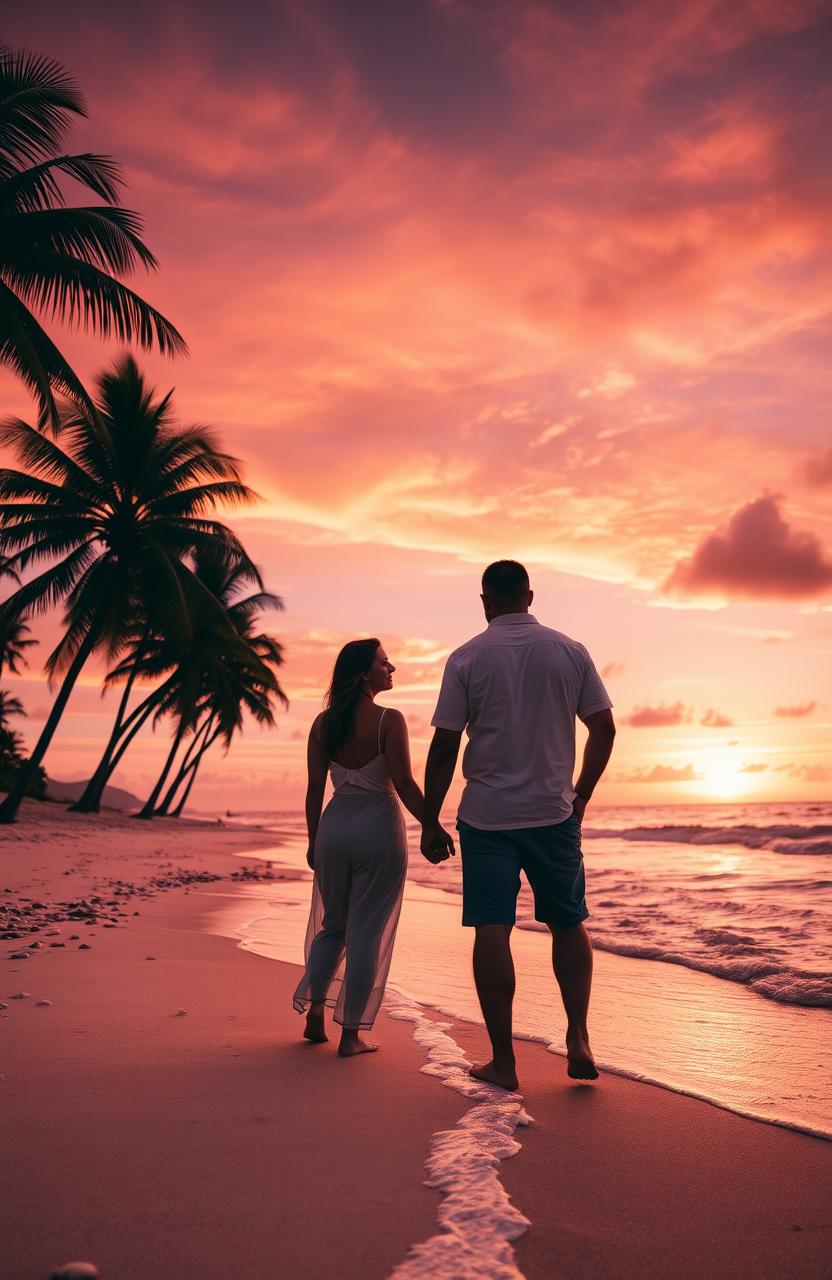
724,862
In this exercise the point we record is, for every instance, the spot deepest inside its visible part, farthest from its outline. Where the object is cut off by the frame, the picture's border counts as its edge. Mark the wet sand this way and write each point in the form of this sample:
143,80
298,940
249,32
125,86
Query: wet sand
165,1119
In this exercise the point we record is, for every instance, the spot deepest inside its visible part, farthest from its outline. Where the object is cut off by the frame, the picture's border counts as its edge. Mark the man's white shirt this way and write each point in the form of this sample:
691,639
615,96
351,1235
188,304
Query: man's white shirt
517,688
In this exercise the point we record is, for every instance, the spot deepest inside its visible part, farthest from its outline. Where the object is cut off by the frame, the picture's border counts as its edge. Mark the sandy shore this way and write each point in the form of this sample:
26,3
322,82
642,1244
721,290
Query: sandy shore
213,1143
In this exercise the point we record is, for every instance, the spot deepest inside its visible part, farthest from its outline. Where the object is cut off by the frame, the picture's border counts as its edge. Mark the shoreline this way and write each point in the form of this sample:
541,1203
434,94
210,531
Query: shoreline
672,1006
216,1142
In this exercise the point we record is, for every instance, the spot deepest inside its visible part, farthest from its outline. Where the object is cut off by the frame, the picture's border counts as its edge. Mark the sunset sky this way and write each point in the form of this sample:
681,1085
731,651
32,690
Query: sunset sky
481,278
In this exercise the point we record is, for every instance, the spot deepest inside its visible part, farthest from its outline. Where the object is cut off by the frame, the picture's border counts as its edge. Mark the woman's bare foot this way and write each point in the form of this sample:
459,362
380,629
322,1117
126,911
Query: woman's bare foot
580,1062
504,1078
314,1029
352,1044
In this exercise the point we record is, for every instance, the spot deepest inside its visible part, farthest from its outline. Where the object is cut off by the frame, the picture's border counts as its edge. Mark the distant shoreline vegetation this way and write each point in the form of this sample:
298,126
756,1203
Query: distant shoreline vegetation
111,514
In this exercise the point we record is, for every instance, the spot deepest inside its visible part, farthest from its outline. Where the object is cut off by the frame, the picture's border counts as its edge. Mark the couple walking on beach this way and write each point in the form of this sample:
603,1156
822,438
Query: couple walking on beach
516,688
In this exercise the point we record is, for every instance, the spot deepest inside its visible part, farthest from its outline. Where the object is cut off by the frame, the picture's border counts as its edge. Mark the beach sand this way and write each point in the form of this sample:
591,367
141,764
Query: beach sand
214,1143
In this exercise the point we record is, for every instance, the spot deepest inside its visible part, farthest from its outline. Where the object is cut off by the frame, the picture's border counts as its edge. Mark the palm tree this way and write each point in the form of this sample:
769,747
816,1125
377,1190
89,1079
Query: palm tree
232,685
9,706
12,749
13,644
57,259
115,516
201,684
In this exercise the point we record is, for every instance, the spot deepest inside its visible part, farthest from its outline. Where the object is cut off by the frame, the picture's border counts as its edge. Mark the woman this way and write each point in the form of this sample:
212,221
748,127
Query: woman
357,848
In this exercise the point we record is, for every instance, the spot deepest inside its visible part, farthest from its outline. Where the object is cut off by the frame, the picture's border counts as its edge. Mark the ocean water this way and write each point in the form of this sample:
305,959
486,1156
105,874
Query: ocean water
713,934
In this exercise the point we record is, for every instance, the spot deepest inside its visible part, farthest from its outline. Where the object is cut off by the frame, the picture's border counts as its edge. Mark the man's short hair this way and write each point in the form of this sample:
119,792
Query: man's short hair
506,581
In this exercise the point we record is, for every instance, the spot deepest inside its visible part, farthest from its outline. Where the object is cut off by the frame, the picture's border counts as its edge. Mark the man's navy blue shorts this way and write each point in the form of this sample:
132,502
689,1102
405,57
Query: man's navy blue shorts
551,858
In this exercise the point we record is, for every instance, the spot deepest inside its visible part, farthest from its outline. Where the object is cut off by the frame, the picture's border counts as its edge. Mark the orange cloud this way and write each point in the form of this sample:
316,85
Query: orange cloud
664,773
758,556
657,717
813,773
796,712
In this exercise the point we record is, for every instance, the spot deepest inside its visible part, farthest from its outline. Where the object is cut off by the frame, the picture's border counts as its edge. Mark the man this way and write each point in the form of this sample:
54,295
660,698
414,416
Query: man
517,688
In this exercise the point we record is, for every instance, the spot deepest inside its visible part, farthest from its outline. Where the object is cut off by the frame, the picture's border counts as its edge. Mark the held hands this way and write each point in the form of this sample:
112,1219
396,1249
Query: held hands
437,845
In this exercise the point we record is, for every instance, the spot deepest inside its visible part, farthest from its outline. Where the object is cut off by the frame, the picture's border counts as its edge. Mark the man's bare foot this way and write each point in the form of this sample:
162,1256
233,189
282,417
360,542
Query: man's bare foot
505,1078
350,1048
314,1029
580,1062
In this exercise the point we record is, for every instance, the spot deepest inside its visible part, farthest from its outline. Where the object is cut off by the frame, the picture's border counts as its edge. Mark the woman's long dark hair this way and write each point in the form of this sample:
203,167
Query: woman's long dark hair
353,662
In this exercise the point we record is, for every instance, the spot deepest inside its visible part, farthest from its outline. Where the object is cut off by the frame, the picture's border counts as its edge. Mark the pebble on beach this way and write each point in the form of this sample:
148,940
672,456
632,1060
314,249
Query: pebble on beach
21,995
150,957
3,1006
181,1013
43,1004
76,1271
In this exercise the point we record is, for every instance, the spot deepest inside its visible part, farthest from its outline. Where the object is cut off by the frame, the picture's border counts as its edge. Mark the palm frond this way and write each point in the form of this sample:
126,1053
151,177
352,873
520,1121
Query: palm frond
27,349
192,454
36,99
90,601
49,588
38,188
202,497
20,485
82,293
44,456
244,610
105,237
31,541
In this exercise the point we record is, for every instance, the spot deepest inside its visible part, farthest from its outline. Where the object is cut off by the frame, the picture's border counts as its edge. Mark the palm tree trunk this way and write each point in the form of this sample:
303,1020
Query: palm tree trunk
102,775
193,750
90,799
12,802
150,803
194,767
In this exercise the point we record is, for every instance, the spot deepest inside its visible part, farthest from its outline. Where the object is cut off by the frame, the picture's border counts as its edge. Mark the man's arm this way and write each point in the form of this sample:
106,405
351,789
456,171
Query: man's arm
597,752
439,772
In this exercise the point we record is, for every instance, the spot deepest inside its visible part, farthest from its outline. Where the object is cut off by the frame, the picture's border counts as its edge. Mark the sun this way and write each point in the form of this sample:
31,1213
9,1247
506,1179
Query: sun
724,783
722,776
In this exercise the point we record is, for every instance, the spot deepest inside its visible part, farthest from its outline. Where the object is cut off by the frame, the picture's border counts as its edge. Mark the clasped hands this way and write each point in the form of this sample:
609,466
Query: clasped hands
437,844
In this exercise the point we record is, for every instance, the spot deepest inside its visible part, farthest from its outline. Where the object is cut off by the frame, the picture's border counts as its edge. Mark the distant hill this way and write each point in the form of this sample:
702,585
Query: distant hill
113,798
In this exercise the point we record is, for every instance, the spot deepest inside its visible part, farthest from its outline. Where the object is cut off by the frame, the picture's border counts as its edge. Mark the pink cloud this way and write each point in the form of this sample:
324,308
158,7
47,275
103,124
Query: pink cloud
613,669
817,470
657,717
758,556
796,712
713,719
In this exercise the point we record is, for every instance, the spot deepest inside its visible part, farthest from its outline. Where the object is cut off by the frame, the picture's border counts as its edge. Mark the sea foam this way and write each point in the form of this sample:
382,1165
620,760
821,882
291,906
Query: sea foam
477,1220
777,838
